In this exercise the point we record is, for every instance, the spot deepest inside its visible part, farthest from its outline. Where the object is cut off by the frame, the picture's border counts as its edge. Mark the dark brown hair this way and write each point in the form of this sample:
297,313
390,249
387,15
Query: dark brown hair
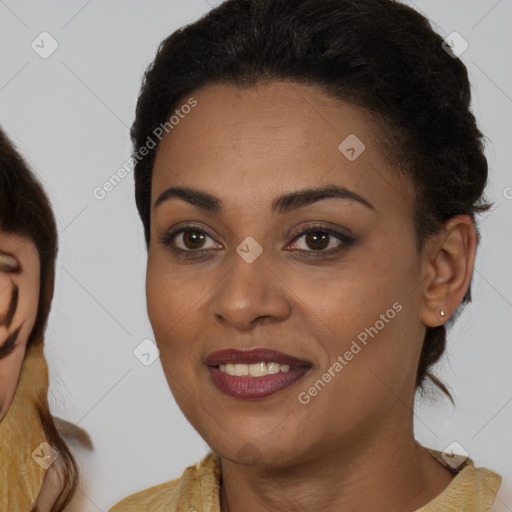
380,55
26,211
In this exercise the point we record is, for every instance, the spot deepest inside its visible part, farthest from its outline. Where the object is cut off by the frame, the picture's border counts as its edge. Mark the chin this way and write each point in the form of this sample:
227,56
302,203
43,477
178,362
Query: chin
257,451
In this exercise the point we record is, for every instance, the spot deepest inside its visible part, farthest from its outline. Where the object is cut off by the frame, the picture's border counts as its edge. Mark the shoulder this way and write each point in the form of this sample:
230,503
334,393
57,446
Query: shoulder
196,489
472,488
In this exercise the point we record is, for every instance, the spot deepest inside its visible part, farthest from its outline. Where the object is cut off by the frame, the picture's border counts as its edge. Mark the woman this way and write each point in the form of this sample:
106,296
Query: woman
308,200
37,470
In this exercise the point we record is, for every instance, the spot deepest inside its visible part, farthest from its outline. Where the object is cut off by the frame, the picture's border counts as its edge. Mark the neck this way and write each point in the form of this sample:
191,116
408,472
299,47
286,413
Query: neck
386,471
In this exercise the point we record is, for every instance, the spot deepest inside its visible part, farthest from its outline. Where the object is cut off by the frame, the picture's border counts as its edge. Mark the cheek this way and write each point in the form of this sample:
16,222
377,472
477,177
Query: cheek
345,300
363,313
172,313
159,295
166,312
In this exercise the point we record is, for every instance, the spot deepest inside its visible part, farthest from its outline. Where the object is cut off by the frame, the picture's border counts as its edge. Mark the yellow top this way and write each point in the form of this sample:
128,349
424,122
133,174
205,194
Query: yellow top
21,432
197,490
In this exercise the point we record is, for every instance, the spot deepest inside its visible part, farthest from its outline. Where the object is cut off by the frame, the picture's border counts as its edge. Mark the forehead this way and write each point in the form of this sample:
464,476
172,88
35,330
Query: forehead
273,138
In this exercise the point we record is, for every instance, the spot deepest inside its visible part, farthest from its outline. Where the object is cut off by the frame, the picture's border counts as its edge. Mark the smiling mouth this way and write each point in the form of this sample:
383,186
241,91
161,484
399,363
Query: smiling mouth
260,369
256,373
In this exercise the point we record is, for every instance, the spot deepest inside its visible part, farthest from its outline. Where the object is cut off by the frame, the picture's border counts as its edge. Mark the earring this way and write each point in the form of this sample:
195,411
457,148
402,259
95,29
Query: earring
442,312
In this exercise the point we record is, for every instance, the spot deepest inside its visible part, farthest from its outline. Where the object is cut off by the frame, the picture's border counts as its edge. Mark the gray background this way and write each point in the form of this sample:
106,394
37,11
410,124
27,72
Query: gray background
69,114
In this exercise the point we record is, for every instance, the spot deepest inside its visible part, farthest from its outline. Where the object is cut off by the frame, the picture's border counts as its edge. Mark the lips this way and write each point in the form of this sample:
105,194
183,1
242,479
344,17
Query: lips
252,387
235,356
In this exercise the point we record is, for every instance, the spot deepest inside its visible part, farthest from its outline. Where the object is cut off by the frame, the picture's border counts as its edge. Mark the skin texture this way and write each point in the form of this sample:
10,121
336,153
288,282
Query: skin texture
26,279
248,146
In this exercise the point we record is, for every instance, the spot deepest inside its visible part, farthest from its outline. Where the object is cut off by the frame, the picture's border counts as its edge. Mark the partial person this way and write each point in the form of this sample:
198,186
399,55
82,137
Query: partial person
37,469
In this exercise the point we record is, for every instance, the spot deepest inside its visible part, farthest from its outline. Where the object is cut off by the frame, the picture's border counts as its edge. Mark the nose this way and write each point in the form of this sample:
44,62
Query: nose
250,294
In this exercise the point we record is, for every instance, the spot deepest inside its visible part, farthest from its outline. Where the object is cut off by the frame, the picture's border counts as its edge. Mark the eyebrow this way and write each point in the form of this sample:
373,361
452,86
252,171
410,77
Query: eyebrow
281,205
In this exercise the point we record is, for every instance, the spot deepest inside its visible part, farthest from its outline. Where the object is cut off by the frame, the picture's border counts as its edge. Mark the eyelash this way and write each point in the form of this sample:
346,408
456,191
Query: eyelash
346,240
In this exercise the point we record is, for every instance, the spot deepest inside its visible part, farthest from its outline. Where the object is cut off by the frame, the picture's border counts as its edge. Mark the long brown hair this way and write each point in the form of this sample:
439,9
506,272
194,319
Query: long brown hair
25,210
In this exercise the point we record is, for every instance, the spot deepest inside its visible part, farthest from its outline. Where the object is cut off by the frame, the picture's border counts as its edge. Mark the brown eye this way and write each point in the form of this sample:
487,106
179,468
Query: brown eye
317,240
190,241
193,239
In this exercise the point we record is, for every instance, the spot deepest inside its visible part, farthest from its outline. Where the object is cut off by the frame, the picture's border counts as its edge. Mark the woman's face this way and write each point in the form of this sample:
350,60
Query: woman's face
19,297
339,308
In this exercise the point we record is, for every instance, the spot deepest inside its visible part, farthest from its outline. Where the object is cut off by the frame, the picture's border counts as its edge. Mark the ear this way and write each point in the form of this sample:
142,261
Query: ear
449,258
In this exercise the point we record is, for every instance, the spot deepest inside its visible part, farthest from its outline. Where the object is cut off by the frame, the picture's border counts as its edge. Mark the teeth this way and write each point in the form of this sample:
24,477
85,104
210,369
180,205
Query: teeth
254,370
258,369
273,368
241,370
